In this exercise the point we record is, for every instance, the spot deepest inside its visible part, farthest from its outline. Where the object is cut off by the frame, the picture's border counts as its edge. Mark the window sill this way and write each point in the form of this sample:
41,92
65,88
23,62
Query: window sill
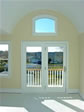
44,34
4,75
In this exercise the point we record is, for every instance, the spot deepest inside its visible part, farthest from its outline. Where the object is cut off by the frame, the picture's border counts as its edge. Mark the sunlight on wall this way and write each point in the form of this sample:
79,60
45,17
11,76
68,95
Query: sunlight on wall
56,106
76,103
12,109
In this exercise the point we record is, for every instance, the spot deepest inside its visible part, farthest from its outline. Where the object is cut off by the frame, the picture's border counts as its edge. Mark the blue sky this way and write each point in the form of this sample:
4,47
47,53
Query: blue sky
45,25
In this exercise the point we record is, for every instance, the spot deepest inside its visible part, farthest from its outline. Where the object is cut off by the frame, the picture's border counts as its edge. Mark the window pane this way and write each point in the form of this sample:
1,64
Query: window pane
3,51
55,58
33,66
45,25
4,58
4,66
55,66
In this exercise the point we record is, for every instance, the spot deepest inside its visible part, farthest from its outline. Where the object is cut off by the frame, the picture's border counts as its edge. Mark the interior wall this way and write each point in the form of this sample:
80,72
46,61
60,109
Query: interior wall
23,31
81,63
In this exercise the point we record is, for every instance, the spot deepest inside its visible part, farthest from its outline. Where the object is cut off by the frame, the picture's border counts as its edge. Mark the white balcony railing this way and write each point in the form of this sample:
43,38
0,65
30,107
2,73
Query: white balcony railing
34,77
55,77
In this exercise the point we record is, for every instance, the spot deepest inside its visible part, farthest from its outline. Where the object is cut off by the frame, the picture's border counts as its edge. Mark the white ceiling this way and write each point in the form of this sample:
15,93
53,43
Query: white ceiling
11,11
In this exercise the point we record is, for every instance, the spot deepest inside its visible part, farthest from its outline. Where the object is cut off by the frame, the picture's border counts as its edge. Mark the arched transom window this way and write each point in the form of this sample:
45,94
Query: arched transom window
44,25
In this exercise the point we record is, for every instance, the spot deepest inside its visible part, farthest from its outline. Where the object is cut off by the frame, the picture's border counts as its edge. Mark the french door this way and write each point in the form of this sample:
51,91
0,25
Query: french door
43,66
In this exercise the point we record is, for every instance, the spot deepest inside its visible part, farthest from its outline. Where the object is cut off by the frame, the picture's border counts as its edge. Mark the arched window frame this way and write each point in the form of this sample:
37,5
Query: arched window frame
44,34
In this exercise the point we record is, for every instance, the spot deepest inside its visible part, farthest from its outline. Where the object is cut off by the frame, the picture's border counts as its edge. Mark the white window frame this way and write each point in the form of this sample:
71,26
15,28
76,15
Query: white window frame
44,34
9,53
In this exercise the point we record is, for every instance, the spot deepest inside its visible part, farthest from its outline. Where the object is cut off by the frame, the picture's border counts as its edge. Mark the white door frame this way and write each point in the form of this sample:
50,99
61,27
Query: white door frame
23,63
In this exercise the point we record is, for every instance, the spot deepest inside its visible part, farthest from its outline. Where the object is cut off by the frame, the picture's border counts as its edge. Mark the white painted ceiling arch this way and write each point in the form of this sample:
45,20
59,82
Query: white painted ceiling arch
11,11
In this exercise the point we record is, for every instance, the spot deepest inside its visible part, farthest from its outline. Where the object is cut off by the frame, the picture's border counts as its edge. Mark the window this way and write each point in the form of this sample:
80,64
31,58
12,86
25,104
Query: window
44,25
4,58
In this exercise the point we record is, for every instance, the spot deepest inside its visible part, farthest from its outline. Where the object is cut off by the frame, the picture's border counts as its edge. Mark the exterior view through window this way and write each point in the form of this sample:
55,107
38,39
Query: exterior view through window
33,66
3,59
45,25
55,66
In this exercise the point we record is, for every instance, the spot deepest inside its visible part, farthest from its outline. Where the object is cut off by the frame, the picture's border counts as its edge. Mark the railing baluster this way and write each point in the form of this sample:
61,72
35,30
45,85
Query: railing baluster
55,77
40,77
35,77
28,77
50,77
62,77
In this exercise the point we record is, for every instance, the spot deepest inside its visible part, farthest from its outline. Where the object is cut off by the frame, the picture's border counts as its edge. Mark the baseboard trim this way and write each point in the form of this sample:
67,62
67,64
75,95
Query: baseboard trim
82,96
11,90
73,91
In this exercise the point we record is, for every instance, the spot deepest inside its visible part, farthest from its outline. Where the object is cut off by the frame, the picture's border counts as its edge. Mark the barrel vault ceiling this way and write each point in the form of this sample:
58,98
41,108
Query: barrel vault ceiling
11,11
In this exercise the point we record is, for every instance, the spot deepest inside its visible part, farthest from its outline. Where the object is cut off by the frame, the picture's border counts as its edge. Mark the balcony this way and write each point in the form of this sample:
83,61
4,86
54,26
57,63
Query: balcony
34,77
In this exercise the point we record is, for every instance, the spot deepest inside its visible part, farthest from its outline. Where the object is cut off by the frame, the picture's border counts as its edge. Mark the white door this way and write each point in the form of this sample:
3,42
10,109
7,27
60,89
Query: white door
43,66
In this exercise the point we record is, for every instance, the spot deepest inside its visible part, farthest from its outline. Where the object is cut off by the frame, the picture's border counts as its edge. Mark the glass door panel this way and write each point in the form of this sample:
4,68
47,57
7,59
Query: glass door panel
55,66
33,66
43,66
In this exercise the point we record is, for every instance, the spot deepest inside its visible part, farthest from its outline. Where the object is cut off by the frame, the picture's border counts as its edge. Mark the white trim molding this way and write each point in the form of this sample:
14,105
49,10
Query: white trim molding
45,16
82,95
7,75
73,91
10,90
19,90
